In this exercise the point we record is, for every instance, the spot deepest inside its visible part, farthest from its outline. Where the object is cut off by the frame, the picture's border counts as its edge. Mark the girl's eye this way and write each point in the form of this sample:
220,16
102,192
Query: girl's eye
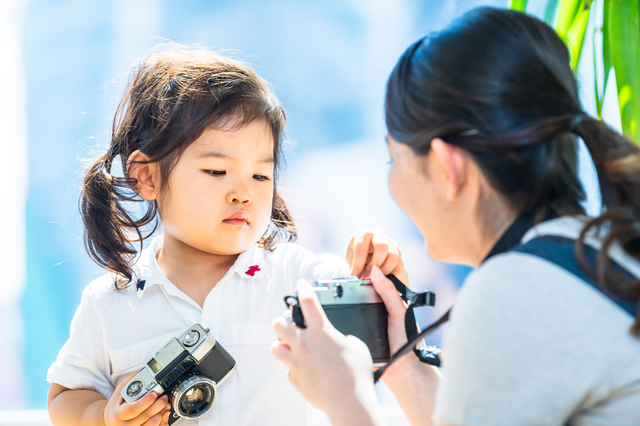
260,177
217,172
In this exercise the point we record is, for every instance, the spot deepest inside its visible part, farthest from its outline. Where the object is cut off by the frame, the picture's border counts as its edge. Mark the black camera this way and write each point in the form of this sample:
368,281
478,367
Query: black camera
353,307
189,369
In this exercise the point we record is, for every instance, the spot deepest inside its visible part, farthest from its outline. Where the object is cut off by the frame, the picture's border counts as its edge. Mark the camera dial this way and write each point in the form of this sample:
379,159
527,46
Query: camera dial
338,291
191,338
134,389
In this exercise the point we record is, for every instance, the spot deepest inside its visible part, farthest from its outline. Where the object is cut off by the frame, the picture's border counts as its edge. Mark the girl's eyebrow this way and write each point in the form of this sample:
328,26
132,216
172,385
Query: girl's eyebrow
222,156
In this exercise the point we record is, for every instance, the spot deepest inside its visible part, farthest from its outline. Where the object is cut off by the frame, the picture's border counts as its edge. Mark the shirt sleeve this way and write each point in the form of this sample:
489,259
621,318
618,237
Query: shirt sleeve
82,361
511,353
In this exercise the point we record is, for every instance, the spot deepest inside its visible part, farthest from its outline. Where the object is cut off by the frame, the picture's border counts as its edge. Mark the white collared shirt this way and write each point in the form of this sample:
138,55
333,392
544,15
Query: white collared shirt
115,332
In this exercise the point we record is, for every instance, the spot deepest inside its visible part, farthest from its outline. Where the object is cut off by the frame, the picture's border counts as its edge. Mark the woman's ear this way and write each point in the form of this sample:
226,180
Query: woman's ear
146,182
451,161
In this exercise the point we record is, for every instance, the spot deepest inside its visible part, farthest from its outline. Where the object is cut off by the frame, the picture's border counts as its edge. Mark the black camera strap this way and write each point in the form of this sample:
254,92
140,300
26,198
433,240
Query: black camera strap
414,299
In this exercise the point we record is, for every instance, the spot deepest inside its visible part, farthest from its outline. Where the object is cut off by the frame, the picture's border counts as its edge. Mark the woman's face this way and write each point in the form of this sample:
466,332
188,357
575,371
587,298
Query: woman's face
440,193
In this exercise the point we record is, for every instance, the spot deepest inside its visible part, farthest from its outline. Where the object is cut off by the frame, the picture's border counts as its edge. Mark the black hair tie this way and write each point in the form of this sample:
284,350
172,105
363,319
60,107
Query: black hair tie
576,122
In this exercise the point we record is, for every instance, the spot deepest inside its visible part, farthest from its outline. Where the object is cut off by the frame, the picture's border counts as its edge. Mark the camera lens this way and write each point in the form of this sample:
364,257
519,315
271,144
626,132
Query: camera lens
134,389
194,397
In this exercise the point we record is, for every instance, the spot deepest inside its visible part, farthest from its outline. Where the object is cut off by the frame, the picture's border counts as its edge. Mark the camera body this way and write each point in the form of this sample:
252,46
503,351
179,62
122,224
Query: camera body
189,369
353,307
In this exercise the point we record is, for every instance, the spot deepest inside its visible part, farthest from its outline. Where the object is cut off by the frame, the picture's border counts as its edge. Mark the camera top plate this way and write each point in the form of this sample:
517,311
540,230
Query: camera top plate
346,291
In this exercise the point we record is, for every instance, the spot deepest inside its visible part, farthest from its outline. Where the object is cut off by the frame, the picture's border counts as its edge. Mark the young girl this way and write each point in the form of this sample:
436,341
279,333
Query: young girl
199,137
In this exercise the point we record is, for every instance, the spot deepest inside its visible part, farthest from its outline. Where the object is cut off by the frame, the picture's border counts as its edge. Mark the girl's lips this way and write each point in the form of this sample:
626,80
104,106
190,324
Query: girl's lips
239,218
236,222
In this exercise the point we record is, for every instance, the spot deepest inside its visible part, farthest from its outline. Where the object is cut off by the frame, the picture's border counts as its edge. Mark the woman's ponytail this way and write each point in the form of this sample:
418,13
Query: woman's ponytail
617,162
110,230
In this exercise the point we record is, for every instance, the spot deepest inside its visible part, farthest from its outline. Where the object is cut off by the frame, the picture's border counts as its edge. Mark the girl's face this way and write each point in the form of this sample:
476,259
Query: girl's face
219,195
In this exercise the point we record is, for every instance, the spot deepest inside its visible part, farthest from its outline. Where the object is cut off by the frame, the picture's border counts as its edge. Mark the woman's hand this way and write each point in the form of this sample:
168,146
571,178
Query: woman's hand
147,411
332,371
412,382
370,247
396,308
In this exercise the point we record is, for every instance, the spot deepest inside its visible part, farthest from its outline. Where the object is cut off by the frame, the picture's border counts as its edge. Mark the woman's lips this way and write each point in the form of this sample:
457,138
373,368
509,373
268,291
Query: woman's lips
239,218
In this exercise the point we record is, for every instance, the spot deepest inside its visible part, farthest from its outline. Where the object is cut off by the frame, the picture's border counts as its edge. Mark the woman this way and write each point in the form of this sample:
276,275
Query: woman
482,121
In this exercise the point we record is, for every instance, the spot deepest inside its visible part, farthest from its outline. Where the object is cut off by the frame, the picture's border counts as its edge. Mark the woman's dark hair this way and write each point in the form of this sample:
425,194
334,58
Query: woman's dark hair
497,83
174,93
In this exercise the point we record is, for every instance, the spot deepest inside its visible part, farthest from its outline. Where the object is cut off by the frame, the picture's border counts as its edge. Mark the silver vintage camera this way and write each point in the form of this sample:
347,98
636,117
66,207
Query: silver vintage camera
353,307
189,369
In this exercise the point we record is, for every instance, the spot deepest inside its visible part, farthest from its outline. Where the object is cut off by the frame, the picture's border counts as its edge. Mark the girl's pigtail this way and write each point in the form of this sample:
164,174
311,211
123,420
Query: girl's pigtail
110,230
282,227
617,162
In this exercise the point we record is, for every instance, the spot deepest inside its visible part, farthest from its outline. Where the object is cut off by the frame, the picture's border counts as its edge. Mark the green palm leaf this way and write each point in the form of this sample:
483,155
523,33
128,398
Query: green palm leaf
519,5
623,27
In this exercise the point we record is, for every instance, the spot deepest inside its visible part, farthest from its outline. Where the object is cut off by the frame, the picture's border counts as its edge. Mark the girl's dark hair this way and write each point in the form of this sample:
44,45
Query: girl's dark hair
497,83
174,93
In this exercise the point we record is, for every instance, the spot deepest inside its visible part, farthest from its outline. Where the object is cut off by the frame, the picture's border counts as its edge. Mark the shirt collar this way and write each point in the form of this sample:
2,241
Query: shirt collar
250,264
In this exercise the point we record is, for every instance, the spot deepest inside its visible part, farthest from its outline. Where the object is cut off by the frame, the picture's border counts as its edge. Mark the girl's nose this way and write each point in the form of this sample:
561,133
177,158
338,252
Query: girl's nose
237,197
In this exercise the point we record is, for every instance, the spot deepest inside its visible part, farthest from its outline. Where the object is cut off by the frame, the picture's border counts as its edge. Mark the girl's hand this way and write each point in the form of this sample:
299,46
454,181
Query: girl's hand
370,247
331,371
148,410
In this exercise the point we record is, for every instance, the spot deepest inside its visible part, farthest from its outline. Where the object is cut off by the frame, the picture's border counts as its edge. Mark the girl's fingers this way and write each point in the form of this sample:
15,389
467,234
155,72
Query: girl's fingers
282,352
387,291
161,404
153,421
359,250
390,262
380,244
132,410
286,330
312,311
165,419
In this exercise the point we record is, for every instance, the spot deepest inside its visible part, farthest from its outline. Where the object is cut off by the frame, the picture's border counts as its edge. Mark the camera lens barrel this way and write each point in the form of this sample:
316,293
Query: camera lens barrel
193,397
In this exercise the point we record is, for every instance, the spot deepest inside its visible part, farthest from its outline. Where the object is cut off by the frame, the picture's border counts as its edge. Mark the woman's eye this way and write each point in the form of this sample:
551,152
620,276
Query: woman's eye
260,177
217,172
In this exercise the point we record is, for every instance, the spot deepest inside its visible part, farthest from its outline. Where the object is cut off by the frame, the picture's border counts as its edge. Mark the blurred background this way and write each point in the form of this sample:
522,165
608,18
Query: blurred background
64,67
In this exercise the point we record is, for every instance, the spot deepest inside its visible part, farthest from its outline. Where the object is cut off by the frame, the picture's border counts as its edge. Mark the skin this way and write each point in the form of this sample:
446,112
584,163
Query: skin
443,193
220,174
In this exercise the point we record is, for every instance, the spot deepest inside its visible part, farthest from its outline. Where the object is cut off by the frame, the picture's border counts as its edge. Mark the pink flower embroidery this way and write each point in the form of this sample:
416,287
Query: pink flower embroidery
252,270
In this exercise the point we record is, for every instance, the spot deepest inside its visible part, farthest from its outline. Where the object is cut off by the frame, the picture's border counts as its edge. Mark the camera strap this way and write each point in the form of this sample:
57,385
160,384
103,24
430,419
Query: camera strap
428,355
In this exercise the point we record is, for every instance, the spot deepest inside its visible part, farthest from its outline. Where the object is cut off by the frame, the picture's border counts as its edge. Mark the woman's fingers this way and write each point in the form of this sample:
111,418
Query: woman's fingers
387,291
312,311
285,329
282,352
